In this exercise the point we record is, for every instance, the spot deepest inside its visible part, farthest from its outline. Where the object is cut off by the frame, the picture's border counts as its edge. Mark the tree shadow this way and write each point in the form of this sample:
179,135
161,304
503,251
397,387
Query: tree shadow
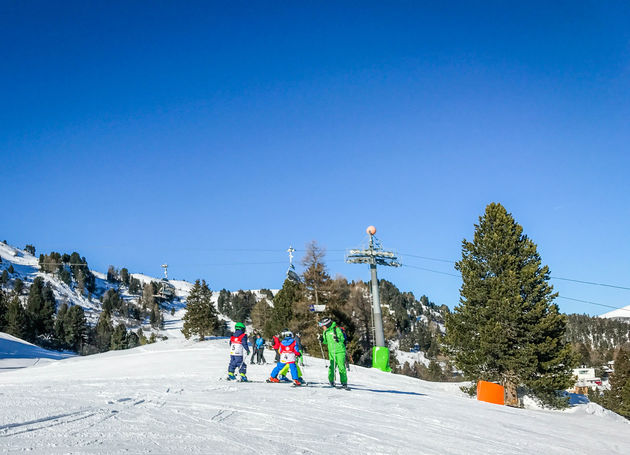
397,392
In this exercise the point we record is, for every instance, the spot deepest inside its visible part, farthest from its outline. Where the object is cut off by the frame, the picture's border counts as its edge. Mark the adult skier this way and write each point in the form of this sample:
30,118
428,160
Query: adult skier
238,344
289,351
254,349
260,350
335,340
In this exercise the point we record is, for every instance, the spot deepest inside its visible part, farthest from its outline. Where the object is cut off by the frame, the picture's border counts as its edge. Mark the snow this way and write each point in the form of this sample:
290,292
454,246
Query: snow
17,353
621,313
170,397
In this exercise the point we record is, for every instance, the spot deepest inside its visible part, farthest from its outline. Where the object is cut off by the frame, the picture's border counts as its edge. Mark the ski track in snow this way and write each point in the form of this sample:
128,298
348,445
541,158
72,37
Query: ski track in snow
171,397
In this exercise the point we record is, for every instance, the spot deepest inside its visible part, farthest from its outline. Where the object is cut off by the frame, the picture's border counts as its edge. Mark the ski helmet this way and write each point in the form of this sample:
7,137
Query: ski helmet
287,334
325,322
239,325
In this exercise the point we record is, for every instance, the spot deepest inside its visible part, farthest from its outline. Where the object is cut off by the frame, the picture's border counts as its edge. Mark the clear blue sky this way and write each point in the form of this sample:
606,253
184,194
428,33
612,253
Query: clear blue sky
139,133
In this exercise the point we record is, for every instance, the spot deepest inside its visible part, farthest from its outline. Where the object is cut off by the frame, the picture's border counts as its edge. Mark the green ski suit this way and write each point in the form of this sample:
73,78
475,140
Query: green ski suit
334,339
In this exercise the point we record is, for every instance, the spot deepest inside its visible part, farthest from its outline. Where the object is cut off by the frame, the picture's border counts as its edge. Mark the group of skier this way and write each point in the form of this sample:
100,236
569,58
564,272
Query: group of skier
289,354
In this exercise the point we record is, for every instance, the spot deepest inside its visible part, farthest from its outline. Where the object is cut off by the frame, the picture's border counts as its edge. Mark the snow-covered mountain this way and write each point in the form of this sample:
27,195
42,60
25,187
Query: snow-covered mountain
171,398
26,268
621,314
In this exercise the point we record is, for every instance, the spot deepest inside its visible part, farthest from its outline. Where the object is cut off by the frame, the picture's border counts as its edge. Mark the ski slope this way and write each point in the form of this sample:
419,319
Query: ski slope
171,398
17,353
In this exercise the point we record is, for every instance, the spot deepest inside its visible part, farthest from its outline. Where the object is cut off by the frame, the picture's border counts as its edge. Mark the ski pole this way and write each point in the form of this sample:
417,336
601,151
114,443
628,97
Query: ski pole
322,349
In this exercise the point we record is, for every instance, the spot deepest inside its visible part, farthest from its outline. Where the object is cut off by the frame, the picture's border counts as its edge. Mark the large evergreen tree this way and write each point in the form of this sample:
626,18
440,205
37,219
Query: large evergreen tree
103,332
282,312
506,327
617,399
76,328
15,318
201,316
40,309
119,338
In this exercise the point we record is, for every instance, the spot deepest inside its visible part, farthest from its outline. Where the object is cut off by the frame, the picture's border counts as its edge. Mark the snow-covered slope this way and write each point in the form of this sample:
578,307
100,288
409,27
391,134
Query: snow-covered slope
620,313
171,397
17,353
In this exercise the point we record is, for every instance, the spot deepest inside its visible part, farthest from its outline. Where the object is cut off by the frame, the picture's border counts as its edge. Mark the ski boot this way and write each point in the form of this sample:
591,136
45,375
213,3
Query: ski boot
345,386
284,379
332,383
273,380
231,377
298,382
243,377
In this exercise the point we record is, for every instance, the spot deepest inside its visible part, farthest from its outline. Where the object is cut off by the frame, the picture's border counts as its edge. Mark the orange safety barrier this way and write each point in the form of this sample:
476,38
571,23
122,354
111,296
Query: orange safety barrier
490,392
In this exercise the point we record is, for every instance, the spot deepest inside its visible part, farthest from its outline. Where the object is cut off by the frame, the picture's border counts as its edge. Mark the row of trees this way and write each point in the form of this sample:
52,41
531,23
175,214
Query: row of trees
40,322
617,398
596,339
70,268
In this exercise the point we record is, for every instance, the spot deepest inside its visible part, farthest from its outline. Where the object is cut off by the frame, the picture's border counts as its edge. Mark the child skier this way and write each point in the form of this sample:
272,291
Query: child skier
335,340
238,344
288,353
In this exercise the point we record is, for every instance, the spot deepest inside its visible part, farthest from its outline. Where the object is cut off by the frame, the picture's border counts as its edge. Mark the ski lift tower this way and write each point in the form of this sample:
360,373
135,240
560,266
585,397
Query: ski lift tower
291,273
165,267
375,255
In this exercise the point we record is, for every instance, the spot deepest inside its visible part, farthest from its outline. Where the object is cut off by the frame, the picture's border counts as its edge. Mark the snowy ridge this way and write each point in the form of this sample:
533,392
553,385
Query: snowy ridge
620,313
171,397
17,353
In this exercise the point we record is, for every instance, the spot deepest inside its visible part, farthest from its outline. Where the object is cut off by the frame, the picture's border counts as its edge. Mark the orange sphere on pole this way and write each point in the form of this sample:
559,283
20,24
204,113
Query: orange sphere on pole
371,230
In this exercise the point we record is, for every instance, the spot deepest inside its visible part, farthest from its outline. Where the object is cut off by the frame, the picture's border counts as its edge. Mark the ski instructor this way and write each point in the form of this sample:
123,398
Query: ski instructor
335,340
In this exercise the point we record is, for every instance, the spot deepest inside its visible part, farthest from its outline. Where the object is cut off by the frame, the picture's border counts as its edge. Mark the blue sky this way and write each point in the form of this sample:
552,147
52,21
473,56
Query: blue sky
213,136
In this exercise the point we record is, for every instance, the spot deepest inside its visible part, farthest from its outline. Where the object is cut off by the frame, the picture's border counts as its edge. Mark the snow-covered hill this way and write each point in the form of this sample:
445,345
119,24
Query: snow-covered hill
622,314
17,353
26,268
171,398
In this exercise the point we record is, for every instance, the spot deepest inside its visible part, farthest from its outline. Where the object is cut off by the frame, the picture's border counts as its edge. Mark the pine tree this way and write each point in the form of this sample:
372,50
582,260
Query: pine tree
103,332
18,286
506,327
148,298
260,314
15,319
30,249
4,278
124,276
11,269
3,310
132,340
617,398
40,309
60,325
316,279
201,316
76,328
155,317
283,303
119,338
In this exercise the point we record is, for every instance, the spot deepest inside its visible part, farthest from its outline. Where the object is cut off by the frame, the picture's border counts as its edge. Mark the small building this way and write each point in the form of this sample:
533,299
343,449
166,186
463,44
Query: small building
585,379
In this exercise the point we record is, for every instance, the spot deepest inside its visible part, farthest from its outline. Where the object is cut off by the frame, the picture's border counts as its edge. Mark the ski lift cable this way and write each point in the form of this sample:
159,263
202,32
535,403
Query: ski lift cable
594,303
559,296
553,277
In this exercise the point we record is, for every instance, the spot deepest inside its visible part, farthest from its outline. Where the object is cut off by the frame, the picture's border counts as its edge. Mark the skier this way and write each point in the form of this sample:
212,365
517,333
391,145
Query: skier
238,344
288,353
335,340
276,347
260,350
254,348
